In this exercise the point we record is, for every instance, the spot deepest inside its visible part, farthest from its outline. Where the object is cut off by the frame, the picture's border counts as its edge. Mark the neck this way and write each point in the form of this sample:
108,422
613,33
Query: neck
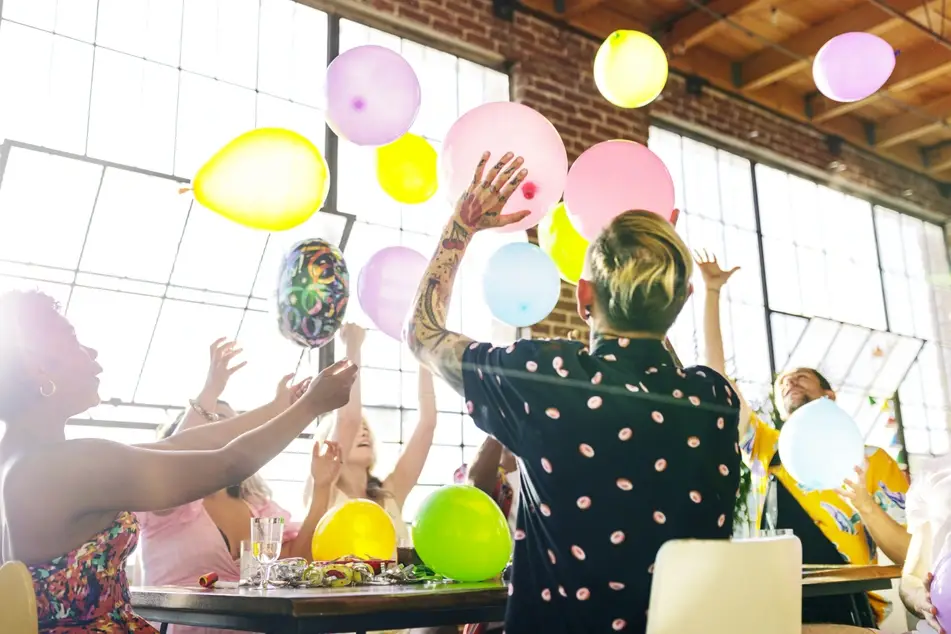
599,330
34,429
353,481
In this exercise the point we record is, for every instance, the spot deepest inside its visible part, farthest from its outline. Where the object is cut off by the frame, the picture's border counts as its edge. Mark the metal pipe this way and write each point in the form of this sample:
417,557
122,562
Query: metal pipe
881,4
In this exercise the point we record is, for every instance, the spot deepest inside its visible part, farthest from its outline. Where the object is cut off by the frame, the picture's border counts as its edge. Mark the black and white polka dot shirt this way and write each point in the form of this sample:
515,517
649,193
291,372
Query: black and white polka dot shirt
619,451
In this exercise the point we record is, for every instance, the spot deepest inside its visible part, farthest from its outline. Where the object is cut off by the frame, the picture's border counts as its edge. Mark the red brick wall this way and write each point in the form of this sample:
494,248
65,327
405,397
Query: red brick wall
551,72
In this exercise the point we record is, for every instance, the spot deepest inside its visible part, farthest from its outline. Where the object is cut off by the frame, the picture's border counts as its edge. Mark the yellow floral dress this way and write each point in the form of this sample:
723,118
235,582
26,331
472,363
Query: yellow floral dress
837,520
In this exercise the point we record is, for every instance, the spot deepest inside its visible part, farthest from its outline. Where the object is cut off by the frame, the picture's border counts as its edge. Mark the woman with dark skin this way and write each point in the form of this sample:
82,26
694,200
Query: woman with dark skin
68,505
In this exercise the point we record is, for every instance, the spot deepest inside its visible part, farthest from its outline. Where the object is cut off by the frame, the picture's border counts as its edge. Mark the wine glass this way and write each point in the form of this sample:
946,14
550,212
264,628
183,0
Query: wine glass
267,534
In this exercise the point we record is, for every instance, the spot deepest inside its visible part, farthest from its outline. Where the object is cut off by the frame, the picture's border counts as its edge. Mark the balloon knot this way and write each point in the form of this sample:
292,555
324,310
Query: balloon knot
184,190
897,52
529,190
358,103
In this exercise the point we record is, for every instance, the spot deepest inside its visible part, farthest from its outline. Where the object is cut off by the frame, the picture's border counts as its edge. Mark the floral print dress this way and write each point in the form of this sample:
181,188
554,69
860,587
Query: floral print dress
87,590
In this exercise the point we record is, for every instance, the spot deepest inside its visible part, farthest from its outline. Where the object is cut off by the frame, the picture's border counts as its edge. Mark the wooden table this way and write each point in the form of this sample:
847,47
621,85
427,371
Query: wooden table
367,608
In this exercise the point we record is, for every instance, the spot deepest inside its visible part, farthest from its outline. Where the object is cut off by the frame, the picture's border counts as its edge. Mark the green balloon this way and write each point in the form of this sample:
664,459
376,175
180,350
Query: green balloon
460,532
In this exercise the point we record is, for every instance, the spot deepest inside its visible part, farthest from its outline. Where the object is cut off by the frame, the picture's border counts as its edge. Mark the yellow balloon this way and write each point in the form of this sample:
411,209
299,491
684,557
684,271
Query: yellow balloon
406,169
630,69
564,245
357,527
269,178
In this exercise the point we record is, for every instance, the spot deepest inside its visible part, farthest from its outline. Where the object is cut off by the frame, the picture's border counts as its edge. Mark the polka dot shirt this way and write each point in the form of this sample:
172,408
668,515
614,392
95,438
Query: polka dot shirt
619,451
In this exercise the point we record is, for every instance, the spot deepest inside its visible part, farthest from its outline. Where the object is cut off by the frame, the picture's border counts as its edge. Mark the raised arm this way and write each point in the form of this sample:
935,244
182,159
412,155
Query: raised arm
479,207
484,472
325,463
713,280
350,416
222,356
99,476
410,464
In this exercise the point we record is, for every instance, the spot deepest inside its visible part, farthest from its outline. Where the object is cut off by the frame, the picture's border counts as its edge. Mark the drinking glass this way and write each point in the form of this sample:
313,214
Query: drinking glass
250,570
267,533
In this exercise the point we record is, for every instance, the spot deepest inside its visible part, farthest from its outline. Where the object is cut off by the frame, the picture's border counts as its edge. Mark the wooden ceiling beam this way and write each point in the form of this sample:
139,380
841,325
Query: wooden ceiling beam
574,8
917,66
717,69
699,24
914,124
772,65
938,159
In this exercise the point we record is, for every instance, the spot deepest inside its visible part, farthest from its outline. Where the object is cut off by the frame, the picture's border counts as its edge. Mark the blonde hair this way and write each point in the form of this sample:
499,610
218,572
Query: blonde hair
641,272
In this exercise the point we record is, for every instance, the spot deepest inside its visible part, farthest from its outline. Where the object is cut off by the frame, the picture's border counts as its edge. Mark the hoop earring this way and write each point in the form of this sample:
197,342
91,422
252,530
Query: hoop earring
47,392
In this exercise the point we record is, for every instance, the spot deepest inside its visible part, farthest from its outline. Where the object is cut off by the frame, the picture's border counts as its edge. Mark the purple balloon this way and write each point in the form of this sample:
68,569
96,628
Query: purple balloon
373,95
387,285
852,66
941,591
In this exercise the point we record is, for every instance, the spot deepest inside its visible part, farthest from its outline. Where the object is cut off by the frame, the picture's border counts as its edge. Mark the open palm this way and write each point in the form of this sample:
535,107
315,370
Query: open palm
714,277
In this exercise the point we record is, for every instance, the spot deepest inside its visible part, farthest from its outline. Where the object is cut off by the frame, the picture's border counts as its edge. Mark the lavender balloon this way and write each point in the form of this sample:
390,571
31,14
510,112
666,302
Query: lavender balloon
387,285
941,591
373,95
852,66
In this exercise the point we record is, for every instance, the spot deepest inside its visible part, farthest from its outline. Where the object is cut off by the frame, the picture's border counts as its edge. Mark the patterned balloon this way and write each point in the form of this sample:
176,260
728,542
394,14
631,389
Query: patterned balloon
312,293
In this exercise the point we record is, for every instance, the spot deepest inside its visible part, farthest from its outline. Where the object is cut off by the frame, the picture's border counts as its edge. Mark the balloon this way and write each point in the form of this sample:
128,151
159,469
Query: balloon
312,293
630,69
406,169
498,128
613,177
520,284
941,591
373,95
460,532
357,527
269,178
820,445
852,66
386,286
564,245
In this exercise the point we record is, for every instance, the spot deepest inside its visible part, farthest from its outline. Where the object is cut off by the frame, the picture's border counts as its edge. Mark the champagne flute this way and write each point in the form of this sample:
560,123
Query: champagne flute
267,534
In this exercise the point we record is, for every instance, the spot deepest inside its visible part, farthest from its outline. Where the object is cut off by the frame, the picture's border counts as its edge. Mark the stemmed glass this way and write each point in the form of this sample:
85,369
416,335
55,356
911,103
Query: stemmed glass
267,534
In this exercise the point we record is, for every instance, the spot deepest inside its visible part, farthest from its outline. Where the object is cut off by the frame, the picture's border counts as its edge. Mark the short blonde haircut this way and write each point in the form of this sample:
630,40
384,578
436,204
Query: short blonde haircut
641,272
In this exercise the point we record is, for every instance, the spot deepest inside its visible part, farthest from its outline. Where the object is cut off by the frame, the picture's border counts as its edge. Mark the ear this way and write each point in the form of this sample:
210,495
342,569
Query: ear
584,297
689,290
830,394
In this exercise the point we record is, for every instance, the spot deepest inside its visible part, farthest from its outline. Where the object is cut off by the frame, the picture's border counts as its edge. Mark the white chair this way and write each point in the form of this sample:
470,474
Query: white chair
749,586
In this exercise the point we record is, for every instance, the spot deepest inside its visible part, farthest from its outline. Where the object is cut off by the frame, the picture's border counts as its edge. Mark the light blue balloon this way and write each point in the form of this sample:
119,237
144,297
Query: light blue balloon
820,445
520,284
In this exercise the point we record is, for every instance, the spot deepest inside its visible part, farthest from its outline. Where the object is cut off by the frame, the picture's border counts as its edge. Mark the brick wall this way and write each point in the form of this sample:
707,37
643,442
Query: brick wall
551,72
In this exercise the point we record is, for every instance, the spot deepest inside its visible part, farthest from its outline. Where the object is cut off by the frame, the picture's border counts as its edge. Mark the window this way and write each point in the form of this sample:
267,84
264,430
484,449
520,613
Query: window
450,87
860,292
109,107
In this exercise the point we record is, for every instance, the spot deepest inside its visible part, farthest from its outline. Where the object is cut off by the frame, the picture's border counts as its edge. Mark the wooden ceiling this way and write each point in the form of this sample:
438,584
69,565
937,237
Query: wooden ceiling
763,49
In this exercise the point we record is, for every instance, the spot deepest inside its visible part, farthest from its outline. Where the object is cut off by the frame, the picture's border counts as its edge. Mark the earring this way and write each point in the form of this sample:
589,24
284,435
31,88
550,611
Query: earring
48,391
587,312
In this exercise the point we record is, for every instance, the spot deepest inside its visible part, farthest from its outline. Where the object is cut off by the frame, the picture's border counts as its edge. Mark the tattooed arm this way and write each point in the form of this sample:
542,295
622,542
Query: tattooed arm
479,208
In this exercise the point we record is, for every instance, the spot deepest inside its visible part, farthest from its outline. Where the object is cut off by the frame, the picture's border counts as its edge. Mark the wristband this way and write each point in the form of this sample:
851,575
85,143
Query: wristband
211,417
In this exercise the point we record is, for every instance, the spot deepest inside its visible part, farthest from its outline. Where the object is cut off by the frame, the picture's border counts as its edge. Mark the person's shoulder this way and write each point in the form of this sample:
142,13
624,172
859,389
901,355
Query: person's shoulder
535,353
719,386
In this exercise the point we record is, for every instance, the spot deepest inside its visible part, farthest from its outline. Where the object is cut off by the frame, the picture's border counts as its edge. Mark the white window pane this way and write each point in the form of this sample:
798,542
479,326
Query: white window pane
76,19
379,351
805,213
782,276
200,37
741,249
45,224
812,282
901,319
37,13
178,356
270,357
217,254
937,250
288,466
358,190
415,498
305,120
890,247
385,424
437,73
46,81
134,108
293,51
750,348
144,28
59,292
136,227
913,239
776,216
702,186
382,387
736,191
448,427
787,331
667,146
290,497
441,463
472,435
237,42
210,113
118,326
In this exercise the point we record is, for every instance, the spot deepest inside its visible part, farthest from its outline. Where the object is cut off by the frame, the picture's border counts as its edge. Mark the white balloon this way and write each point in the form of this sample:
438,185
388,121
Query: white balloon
820,445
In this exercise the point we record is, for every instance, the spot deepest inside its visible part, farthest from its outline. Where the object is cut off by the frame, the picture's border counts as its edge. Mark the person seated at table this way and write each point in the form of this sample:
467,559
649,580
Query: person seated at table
349,428
620,450
179,545
69,505
848,525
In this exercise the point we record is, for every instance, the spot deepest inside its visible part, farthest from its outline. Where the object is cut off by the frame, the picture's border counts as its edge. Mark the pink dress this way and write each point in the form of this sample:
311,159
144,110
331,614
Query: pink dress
178,547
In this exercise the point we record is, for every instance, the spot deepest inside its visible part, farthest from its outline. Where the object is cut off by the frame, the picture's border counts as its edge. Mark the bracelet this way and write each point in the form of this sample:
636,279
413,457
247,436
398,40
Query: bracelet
211,417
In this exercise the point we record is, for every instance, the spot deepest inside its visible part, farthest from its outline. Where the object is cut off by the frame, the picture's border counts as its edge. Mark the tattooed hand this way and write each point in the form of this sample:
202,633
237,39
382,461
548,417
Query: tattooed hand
480,206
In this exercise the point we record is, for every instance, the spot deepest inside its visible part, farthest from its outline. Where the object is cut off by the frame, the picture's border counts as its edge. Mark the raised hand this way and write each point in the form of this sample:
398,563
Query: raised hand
221,366
479,206
288,393
927,611
325,463
330,389
352,336
713,276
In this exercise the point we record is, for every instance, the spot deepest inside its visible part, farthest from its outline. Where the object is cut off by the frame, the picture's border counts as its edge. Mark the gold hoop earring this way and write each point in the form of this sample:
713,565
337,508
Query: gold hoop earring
47,392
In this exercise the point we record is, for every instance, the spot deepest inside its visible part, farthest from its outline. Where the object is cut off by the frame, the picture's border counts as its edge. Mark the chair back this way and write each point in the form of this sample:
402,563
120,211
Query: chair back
727,587
17,600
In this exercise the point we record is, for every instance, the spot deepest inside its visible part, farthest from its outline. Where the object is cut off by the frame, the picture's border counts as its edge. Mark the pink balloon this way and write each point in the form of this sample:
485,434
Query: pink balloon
498,128
613,177
387,286
852,66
